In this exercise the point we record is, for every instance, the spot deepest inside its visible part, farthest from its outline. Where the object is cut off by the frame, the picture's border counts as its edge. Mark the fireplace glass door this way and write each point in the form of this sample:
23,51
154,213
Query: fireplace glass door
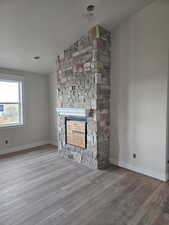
76,132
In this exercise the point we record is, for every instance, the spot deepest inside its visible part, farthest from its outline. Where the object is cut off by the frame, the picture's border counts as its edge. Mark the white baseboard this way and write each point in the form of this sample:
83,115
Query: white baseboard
24,147
144,171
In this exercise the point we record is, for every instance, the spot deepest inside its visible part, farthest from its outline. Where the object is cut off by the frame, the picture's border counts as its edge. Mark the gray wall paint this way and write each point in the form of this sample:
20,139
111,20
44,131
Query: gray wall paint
139,90
36,101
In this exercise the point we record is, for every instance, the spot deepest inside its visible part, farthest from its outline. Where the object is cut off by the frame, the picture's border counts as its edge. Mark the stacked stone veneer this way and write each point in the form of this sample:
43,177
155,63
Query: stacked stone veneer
83,81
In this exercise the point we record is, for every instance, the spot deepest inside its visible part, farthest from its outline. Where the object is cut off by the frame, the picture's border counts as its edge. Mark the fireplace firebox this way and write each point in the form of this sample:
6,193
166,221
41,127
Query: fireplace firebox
76,132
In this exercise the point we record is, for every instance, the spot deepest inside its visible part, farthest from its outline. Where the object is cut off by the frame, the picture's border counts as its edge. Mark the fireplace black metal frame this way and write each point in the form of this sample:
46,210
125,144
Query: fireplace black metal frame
74,118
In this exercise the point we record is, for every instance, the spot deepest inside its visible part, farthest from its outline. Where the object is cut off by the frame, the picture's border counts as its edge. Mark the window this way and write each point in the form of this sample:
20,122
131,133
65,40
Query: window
11,108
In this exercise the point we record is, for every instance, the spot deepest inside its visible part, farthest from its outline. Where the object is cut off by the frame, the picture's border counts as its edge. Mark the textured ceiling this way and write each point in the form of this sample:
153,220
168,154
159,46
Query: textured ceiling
45,27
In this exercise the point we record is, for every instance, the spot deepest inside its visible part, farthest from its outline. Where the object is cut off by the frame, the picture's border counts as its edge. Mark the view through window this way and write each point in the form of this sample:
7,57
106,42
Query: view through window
10,103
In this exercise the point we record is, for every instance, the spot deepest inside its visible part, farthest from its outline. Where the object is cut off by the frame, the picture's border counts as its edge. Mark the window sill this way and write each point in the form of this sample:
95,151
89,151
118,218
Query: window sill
5,126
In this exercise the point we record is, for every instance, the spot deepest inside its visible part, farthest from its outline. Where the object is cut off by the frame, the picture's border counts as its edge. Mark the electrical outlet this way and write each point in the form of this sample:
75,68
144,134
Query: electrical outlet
6,142
134,156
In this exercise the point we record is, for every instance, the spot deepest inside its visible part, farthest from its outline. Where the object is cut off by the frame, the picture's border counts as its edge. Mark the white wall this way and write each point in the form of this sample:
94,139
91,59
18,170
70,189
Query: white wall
36,127
139,91
52,112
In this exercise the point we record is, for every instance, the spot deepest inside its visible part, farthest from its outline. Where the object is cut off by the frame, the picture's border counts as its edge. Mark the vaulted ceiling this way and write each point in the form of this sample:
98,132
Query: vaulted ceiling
44,28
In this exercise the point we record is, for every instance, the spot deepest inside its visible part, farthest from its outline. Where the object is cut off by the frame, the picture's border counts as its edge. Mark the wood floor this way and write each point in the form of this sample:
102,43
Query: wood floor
39,188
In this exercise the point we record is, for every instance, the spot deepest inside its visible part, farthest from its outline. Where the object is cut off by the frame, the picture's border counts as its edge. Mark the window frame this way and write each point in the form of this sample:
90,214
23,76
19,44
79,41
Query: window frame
20,80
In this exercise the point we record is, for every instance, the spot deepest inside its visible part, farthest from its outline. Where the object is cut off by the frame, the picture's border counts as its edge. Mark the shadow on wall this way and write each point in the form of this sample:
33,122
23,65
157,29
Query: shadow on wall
119,102
167,137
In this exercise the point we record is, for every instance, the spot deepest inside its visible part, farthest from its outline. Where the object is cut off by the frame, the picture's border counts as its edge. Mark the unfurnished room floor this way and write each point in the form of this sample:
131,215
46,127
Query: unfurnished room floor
40,188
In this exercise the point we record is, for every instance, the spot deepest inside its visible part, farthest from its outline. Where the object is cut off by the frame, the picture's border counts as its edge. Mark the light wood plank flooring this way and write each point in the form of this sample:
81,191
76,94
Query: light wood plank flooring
40,188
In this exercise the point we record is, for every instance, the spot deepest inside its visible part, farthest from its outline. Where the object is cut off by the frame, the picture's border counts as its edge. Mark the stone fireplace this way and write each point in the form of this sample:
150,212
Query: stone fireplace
83,94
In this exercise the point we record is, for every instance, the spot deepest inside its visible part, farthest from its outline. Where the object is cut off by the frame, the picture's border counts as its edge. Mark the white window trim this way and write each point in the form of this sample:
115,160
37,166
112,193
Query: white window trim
14,78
